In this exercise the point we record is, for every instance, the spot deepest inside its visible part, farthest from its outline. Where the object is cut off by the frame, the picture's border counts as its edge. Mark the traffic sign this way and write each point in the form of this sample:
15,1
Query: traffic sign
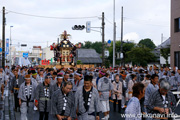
25,55
106,53
109,42
121,56
88,26
0,49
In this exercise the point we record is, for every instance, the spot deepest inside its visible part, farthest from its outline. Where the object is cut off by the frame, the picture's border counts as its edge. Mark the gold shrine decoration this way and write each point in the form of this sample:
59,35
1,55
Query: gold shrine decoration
64,50
64,35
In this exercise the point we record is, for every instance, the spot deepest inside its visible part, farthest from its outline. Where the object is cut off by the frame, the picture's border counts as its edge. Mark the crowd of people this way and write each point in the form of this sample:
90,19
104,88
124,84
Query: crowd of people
83,93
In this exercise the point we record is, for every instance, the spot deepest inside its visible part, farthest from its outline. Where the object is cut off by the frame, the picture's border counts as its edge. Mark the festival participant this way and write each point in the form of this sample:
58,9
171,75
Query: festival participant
40,77
104,88
133,110
178,77
161,72
153,86
78,81
54,78
162,101
26,98
22,72
34,76
58,84
125,91
151,71
147,80
63,102
117,93
130,85
15,85
3,78
87,102
42,96
66,76
173,81
71,78
101,74
51,71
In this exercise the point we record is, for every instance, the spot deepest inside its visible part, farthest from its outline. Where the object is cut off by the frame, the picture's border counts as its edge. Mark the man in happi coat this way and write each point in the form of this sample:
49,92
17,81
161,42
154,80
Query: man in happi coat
162,101
54,78
40,77
104,87
3,78
15,85
34,76
58,84
26,98
62,103
42,96
151,88
87,102
78,81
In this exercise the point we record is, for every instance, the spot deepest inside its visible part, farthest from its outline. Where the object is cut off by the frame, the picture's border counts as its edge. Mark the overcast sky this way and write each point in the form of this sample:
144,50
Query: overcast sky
142,19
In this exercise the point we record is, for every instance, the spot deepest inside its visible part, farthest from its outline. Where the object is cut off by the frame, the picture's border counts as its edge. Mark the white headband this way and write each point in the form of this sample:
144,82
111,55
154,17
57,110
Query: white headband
69,69
78,74
60,77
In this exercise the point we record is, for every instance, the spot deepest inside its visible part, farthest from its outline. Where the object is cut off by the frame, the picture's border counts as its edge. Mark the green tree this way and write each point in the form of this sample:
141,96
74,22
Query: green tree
94,45
88,44
148,43
79,62
165,53
97,46
127,46
140,55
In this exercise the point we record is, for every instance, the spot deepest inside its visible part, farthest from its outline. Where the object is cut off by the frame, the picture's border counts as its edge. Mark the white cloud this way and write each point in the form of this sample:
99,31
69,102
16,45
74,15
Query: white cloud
131,36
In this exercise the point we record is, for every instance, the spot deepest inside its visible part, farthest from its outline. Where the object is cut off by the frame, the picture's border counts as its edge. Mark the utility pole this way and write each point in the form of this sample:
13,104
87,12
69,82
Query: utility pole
3,38
103,24
10,47
161,38
114,36
121,53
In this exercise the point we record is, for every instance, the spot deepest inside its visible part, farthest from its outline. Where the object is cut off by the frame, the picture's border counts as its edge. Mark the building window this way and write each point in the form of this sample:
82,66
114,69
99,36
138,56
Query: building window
177,59
177,24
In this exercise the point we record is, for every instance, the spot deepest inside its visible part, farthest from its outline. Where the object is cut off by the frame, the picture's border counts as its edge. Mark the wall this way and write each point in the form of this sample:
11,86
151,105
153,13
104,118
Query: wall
175,37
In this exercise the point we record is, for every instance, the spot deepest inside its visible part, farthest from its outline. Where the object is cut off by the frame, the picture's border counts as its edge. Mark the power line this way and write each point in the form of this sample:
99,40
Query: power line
49,16
108,21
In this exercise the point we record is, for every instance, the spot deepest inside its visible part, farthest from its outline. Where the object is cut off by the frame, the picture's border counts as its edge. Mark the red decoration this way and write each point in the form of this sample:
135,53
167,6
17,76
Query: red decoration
51,47
45,62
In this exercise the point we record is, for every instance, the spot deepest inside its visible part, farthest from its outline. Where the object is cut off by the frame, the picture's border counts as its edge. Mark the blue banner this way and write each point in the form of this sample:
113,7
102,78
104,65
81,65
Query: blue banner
7,46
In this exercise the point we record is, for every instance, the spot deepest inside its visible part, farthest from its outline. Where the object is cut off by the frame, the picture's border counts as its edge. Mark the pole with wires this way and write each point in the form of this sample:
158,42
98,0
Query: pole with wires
103,23
114,36
3,38
121,53
10,47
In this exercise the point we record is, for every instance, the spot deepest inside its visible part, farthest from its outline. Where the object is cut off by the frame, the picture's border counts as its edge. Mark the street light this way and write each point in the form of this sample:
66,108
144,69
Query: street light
10,46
